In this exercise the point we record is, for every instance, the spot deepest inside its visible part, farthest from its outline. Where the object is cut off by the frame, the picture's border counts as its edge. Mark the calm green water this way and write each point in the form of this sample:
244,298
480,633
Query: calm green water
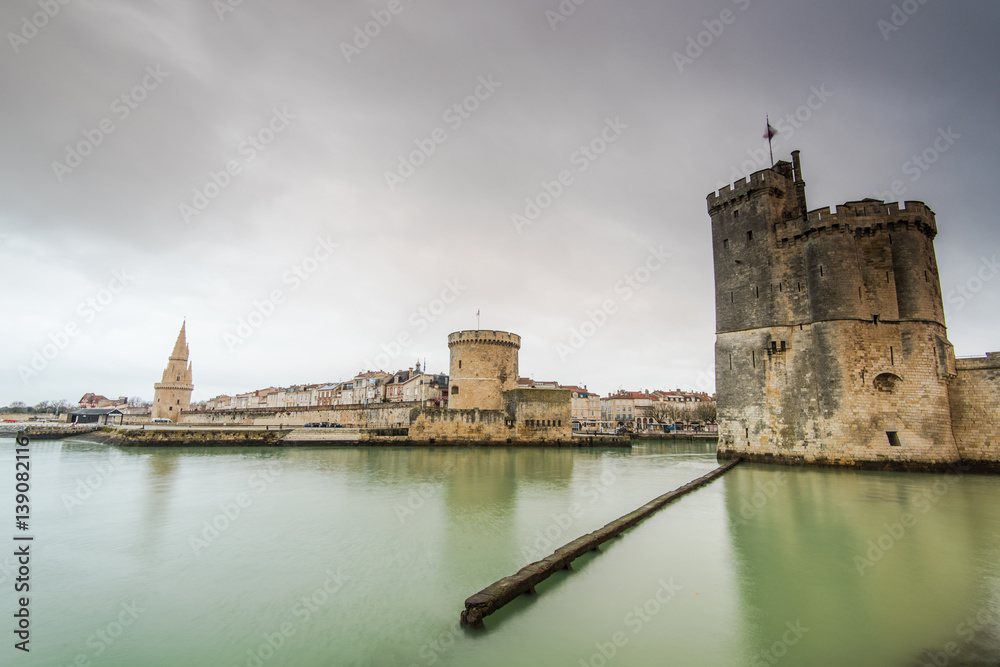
365,557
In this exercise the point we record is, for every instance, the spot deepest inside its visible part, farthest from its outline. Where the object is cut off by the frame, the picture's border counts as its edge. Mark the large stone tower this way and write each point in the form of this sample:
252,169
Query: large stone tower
483,366
173,393
831,344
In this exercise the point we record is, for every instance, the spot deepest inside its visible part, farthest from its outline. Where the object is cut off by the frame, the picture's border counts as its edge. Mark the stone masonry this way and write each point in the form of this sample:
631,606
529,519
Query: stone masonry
483,366
831,346
975,408
172,394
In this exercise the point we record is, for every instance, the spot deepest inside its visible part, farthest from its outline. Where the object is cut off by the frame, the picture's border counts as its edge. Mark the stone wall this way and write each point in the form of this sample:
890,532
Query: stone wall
831,346
447,425
483,366
832,393
975,407
528,416
381,415
541,414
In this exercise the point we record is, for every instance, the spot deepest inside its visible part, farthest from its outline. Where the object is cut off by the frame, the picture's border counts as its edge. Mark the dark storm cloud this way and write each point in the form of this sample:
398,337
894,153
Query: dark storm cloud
687,83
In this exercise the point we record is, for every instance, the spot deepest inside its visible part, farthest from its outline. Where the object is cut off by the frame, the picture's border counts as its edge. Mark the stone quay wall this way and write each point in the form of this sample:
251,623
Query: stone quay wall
975,408
377,415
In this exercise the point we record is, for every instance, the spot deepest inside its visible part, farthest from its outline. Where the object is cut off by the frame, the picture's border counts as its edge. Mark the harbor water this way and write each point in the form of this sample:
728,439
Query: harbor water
364,556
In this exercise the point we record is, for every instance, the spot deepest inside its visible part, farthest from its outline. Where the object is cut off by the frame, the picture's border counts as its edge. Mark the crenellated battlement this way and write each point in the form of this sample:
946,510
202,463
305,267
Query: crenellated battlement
485,337
759,180
915,211
866,217
831,343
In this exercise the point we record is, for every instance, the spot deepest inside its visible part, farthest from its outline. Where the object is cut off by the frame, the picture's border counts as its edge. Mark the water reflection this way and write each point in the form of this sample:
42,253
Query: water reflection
775,562
893,561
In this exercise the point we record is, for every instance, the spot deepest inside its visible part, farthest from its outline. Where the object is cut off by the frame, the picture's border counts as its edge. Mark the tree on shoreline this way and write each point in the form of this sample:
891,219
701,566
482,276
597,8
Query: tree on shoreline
61,406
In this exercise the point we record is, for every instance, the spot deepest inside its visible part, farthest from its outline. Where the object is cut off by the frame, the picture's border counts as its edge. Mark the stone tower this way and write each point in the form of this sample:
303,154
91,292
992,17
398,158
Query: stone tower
483,366
830,336
173,393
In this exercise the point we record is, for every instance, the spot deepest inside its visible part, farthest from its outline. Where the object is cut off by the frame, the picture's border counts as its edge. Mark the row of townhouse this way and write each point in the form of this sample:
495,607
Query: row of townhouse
641,410
365,388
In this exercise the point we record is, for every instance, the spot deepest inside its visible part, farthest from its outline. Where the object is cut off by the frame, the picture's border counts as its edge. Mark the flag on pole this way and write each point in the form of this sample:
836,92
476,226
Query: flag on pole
769,133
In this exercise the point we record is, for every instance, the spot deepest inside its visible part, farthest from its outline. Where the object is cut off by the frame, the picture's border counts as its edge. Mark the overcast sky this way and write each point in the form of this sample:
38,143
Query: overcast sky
188,159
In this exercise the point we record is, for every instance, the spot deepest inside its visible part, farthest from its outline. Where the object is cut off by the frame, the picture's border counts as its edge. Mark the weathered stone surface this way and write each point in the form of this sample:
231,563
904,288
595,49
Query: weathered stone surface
483,366
831,346
975,409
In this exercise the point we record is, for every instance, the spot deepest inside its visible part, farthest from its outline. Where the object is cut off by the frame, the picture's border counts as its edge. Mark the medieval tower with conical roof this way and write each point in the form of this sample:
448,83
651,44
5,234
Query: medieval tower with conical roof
172,394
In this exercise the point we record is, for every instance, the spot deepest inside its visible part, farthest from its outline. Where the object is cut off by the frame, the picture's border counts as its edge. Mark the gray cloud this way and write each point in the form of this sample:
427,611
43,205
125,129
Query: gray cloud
324,175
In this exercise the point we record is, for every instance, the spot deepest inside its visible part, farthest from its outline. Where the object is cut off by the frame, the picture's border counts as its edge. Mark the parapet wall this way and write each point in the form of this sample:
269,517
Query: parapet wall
433,425
381,415
541,414
759,180
868,216
528,416
975,408
488,337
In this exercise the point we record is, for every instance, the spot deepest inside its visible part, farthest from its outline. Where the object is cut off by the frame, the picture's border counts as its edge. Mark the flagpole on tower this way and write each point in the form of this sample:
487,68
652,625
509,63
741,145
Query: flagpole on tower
477,320
769,133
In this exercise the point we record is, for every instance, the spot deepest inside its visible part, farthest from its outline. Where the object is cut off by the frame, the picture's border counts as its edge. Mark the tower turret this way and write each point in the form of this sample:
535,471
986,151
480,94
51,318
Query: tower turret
172,394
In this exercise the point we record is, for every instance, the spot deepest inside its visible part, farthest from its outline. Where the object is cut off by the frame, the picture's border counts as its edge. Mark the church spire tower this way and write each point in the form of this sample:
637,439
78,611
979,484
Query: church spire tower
172,394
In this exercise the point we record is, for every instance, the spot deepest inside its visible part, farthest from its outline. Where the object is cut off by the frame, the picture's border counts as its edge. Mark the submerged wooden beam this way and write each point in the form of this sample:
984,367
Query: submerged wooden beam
499,593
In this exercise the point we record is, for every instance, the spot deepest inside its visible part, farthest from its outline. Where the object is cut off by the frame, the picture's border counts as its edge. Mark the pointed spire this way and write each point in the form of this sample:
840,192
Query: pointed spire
181,347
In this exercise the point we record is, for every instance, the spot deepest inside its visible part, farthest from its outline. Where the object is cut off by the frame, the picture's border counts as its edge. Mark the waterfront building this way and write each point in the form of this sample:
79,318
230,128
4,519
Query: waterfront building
831,346
586,406
172,395
368,387
98,401
485,401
